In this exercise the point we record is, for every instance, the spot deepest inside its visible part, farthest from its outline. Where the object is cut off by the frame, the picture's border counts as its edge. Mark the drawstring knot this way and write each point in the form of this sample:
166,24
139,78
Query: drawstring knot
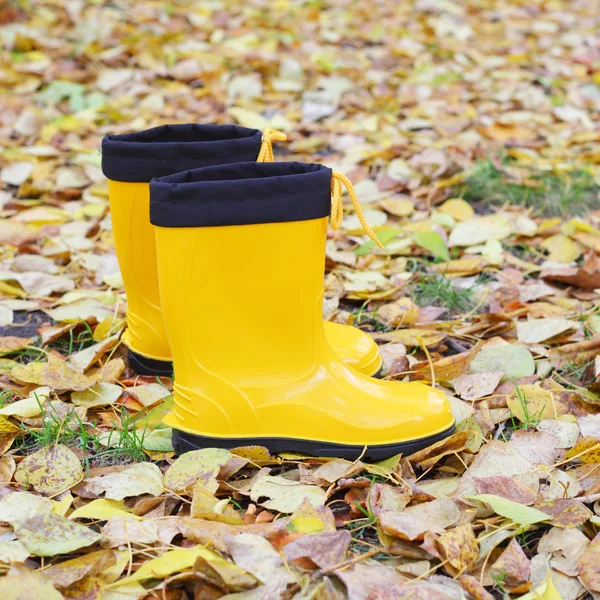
338,182
266,148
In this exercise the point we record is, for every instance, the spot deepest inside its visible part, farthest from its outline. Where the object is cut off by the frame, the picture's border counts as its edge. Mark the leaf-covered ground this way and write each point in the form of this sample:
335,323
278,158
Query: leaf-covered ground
471,132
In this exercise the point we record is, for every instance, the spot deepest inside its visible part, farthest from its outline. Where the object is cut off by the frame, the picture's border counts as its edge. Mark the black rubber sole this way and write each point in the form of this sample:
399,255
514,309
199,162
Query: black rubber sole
149,366
185,442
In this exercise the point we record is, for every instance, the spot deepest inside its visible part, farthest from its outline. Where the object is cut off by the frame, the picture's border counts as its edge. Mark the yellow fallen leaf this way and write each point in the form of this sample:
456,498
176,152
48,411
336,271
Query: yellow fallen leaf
399,207
62,506
171,562
561,248
545,591
6,426
28,407
531,403
102,510
458,209
56,374
588,448
28,584
51,470
101,394
85,358
461,267
199,467
403,312
414,337
11,344
149,394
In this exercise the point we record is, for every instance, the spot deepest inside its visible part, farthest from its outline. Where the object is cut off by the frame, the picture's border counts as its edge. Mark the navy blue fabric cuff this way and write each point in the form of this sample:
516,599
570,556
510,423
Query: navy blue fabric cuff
241,194
168,149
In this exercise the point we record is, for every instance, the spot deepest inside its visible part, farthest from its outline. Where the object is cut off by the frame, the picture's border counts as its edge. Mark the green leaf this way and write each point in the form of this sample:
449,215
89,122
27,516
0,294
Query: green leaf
514,360
158,440
523,515
384,236
432,242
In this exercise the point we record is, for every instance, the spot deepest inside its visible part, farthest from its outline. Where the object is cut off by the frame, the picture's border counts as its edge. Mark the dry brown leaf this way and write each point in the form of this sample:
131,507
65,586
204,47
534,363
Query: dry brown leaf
513,565
474,387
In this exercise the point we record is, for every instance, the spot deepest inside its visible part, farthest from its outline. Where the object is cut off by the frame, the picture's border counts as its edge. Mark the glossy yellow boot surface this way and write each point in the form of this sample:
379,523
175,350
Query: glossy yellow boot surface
242,305
130,162
136,250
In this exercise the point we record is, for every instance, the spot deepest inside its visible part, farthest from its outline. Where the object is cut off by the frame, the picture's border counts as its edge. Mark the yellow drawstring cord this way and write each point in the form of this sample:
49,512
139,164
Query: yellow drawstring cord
338,182
266,148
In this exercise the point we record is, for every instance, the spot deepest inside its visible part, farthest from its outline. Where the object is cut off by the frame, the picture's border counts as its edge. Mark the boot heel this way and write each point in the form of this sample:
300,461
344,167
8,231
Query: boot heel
150,366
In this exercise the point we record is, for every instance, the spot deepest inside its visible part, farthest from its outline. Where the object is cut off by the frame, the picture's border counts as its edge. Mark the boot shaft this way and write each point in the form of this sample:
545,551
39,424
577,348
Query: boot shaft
241,257
129,162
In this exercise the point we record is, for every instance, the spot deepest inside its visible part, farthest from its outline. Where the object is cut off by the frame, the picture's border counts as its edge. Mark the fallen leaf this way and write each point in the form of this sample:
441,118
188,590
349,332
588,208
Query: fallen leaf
474,387
23,505
535,331
285,495
587,450
55,374
199,468
51,470
28,585
100,394
50,534
30,406
325,549
141,478
459,548
514,360
513,567
531,403
479,230
413,337
589,565
84,359
149,394
13,552
68,572
11,344
102,510
415,521
523,515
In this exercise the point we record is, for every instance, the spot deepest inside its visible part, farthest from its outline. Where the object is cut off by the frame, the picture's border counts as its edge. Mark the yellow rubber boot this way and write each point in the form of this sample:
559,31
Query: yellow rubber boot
241,255
130,161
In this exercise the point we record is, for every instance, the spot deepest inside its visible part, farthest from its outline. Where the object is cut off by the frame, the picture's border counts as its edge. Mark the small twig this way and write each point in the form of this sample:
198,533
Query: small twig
352,561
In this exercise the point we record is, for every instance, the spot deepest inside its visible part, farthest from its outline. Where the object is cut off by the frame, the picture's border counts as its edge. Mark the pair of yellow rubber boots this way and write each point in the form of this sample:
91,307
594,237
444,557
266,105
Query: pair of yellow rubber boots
223,257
